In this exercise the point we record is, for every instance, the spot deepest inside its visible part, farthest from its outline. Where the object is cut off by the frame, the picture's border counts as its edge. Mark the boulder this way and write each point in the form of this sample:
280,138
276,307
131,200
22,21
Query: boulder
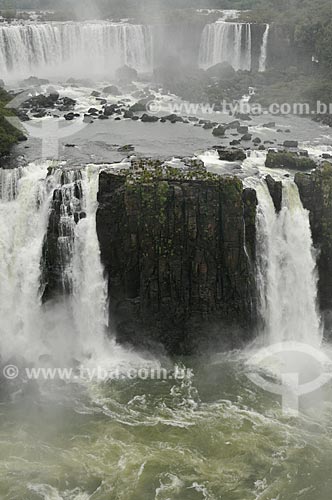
292,161
291,144
149,118
126,74
232,154
111,89
246,137
242,130
269,125
219,131
221,71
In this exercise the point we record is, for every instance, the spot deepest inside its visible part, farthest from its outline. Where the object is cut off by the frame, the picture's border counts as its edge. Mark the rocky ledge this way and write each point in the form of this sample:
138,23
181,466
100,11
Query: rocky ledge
178,246
316,194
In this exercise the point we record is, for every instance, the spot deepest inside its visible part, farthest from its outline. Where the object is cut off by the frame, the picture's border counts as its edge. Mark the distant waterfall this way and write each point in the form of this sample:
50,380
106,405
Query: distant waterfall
286,269
229,42
73,49
263,55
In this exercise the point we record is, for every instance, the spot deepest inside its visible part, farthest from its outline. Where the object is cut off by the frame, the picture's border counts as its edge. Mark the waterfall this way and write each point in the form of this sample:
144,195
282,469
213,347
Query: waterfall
27,328
263,55
73,49
286,269
24,205
226,41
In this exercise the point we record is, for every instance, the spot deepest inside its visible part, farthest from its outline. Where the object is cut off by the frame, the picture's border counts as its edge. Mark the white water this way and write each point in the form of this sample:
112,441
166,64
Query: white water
73,326
286,269
73,49
226,42
263,56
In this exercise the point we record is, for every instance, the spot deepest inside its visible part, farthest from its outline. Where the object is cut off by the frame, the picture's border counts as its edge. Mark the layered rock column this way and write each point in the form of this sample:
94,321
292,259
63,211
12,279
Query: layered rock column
179,252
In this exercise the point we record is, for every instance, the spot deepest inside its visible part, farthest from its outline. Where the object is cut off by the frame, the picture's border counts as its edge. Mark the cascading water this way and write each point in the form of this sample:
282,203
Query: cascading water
263,55
73,49
226,41
286,269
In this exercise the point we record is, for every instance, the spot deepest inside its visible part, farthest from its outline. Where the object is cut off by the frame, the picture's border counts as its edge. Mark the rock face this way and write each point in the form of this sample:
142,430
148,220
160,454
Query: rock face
178,250
292,161
316,195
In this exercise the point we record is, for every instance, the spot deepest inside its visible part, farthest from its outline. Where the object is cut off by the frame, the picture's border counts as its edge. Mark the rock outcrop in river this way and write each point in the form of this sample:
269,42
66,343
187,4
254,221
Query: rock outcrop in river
179,249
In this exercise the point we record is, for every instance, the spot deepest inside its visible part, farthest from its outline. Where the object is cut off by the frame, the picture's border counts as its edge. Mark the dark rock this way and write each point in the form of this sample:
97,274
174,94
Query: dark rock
235,143
243,117
126,74
128,114
103,117
269,125
233,125
219,131
111,109
40,114
173,118
174,253
93,111
221,71
126,149
95,93
149,118
69,116
291,144
111,89
33,81
316,194
232,154
246,137
292,161
257,140
242,130
275,188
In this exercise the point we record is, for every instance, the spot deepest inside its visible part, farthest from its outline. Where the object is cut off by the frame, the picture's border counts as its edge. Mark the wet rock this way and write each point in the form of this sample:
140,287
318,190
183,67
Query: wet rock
219,131
111,89
233,125
246,137
33,81
128,114
173,118
291,144
93,111
149,118
173,249
275,188
257,140
316,194
221,71
243,117
95,93
242,130
69,116
126,74
103,117
292,161
235,142
269,125
232,154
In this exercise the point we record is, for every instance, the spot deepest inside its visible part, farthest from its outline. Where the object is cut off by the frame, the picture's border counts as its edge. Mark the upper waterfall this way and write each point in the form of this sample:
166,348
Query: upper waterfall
73,49
226,41
263,56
